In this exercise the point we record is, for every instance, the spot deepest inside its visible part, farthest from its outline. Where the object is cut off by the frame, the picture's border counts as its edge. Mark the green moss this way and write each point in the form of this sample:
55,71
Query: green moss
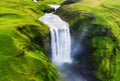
22,41
8,48
27,67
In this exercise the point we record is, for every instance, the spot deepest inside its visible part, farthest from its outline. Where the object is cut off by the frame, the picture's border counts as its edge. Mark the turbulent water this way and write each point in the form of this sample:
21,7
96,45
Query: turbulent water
60,38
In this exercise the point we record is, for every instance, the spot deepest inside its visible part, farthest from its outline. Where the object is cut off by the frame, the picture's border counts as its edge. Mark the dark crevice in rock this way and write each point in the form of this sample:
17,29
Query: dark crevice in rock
70,2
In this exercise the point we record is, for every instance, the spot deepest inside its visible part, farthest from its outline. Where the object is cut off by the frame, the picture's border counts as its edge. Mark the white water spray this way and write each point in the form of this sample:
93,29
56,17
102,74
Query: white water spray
60,38
35,1
54,6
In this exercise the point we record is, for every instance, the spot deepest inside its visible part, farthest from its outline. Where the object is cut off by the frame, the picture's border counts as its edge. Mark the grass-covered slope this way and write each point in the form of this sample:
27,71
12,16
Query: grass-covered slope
101,19
22,42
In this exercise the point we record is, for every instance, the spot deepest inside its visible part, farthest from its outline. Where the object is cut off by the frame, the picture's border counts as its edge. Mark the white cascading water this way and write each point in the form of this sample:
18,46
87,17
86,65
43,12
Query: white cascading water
60,37
35,1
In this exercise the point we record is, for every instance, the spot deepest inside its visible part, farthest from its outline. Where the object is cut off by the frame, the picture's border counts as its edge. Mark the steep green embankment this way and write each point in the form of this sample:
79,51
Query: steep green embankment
101,19
22,42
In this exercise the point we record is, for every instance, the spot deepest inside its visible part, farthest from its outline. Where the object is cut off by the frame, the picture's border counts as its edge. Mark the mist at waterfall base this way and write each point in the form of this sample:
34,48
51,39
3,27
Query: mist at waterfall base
71,71
65,49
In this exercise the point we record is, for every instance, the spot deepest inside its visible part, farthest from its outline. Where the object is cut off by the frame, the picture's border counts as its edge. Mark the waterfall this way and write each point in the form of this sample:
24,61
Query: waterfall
68,69
60,38
61,45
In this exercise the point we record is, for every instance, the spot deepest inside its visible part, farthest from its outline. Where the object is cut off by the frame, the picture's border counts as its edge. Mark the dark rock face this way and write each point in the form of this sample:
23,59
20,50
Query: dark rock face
69,1
48,10
73,0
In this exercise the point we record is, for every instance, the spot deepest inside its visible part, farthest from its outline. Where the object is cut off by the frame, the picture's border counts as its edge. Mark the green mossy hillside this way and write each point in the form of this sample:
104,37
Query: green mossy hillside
23,40
101,19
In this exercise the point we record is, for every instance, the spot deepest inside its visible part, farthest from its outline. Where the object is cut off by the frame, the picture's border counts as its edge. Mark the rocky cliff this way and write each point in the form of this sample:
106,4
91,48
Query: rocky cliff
101,22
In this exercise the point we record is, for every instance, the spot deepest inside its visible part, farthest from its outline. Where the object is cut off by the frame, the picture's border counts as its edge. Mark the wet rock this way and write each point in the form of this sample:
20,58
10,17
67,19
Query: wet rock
48,10
70,2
